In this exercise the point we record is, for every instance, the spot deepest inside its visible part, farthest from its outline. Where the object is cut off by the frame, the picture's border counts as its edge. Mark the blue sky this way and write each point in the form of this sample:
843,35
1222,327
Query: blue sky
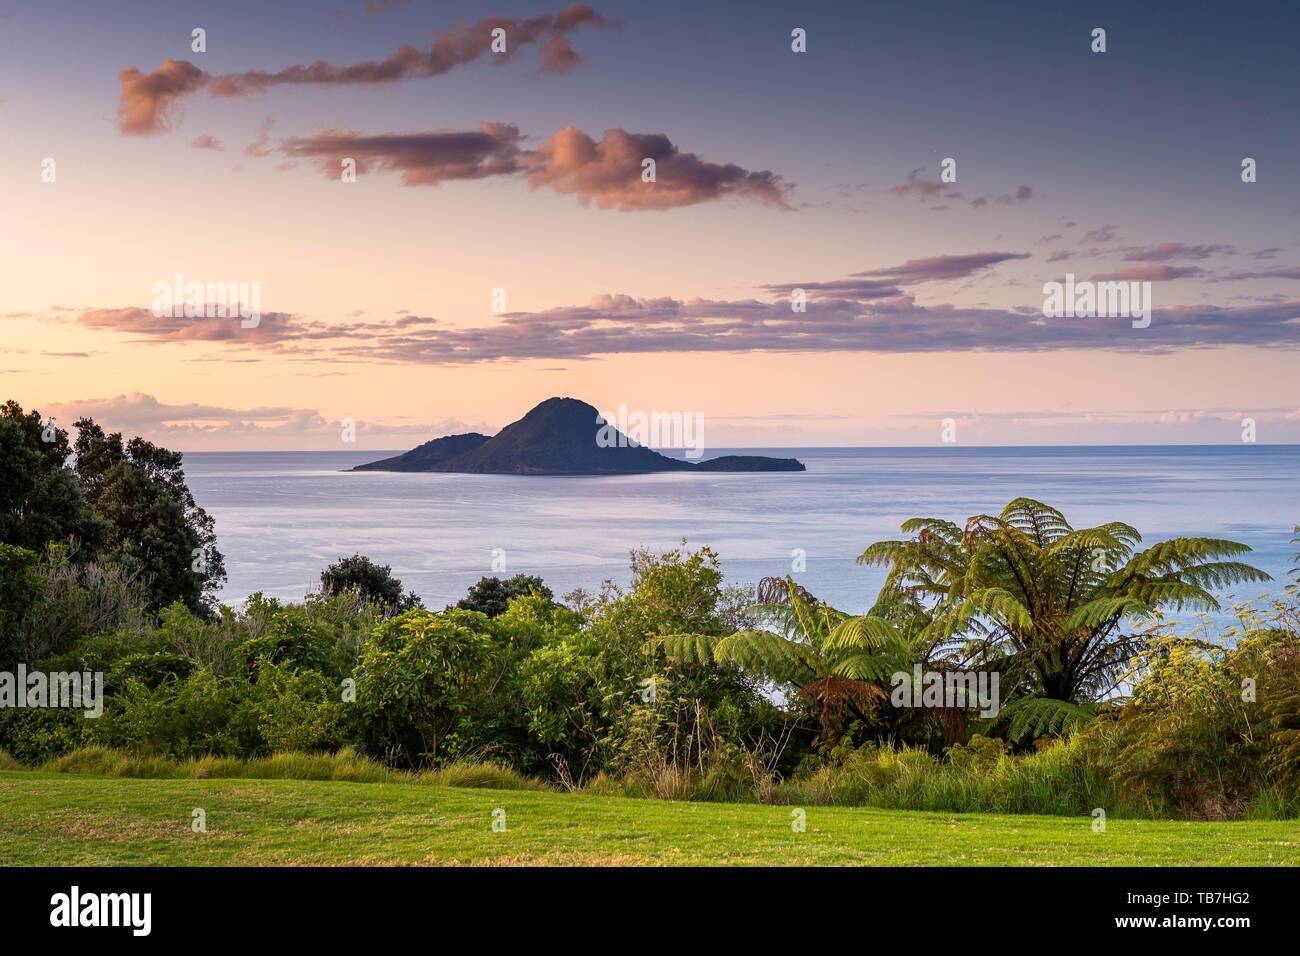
1117,164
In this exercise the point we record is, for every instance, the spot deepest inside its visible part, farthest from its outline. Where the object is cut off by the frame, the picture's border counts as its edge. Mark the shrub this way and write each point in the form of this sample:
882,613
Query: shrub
492,596
373,582
436,687
34,736
1209,729
20,589
180,718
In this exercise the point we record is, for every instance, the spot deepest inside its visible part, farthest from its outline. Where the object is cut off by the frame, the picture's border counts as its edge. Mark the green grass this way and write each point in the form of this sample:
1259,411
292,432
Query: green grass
76,819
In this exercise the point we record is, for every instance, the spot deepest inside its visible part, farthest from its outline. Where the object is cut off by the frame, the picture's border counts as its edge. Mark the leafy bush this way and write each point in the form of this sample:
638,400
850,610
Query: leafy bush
1209,729
492,596
198,715
20,589
34,736
291,638
373,582
74,601
435,687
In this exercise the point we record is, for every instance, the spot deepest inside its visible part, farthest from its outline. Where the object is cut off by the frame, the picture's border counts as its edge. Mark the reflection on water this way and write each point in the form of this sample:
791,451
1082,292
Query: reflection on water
282,517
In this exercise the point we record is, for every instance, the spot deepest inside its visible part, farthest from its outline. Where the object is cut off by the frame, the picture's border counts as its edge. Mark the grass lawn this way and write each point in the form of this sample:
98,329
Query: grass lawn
49,818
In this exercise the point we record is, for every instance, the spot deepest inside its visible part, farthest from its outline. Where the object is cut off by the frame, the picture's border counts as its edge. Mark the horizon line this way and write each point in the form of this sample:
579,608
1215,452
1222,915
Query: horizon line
725,448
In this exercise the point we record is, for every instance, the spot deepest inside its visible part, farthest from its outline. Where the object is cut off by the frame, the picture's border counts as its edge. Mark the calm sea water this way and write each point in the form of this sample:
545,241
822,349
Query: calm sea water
282,517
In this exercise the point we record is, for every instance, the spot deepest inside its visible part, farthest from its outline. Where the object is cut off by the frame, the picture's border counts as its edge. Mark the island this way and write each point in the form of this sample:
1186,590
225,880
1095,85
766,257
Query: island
559,437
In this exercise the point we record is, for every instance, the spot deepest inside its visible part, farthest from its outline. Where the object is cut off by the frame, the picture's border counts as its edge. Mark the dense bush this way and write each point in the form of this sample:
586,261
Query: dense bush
437,687
673,687
20,590
1210,730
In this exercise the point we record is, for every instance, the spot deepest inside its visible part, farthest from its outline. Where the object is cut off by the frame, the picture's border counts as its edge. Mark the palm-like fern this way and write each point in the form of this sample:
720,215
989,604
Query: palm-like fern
835,661
1048,605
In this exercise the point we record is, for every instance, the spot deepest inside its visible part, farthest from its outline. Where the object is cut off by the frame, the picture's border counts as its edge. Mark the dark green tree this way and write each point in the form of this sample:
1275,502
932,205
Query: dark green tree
374,582
20,589
153,523
491,595
40,498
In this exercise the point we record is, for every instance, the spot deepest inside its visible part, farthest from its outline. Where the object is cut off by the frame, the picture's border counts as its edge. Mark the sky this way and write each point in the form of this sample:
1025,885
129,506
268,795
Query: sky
798,272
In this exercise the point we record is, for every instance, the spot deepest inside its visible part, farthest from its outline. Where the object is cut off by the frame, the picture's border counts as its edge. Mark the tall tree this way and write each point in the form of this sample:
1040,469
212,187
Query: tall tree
154,523
41,500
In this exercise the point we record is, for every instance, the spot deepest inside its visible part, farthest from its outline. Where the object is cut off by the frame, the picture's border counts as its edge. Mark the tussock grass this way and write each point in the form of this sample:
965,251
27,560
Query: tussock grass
344,766
1057,780
483,776
1062,779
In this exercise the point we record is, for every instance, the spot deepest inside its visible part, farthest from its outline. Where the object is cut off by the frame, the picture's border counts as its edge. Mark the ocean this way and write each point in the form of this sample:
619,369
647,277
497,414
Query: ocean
282,517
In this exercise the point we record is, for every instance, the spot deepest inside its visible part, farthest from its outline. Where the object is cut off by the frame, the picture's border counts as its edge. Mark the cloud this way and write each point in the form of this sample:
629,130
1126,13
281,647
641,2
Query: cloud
423,159
1166,251
150,102
614,324
207,142
881,284
1292,272
930,190
874,310
1022,194
262,145
142,322
938,268
924,189
1101,234
607,173
272,427
1149,272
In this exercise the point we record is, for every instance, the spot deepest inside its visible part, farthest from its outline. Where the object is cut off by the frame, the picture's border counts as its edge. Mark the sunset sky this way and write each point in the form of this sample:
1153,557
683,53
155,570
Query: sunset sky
775,170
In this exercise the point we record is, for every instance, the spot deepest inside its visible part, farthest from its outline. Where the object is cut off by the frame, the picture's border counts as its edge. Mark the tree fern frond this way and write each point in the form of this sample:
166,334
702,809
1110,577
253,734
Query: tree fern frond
878,668
999,604
862,633
1032,717
1041,522
767,653
686,648
1093,613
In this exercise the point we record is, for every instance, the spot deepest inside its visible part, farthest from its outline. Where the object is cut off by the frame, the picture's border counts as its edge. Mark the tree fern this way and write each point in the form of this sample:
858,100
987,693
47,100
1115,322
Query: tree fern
1058,607
1032,717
